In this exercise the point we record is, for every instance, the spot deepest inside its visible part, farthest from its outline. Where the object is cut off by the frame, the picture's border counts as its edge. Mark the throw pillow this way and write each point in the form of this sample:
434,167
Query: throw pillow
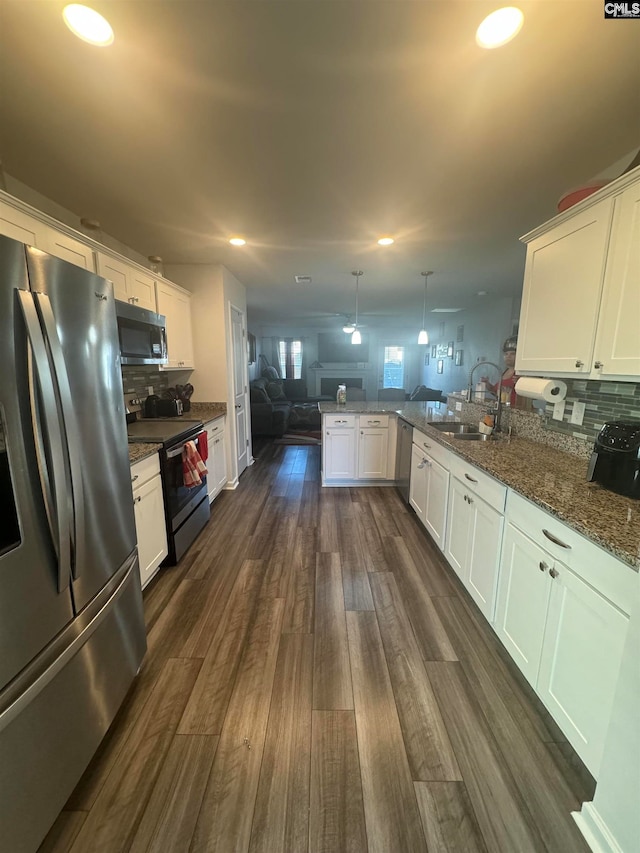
276,391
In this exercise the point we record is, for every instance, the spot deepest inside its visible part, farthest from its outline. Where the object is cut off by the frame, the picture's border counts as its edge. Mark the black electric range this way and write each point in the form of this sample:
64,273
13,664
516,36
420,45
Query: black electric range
186,509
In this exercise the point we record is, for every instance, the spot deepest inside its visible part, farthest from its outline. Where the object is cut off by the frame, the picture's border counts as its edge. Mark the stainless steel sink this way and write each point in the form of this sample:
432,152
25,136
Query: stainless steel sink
455,428
472,436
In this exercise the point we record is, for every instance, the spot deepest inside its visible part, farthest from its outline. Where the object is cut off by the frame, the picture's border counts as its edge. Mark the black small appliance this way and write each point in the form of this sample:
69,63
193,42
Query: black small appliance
615,461
151,406
168,408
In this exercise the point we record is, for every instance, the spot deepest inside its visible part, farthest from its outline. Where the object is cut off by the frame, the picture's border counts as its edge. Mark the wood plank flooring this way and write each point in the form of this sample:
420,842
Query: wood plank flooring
318,680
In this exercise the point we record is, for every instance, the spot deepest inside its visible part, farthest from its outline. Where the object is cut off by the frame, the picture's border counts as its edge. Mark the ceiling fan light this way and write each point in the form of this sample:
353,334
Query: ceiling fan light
423,337
356,337
348,329
386,241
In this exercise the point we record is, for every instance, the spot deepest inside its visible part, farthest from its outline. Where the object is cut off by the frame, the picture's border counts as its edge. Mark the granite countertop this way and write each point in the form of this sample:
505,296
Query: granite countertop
208,411
140,450
553,480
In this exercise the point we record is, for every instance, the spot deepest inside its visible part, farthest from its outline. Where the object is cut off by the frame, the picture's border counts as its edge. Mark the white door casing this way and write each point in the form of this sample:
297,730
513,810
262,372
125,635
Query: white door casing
240,384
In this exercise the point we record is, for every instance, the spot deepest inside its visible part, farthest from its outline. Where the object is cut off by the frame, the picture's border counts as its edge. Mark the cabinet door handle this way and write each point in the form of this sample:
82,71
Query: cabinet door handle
361,432
137,500
470,479
133,479
555,540
598,365
373,422
421,464
428,446
470,500
554,573
579,363
543,566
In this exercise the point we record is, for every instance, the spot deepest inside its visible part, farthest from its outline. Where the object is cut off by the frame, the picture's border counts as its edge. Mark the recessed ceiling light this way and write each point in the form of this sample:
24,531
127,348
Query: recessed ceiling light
237,241
385,241
88,25
445,310
302,279
499,27
482,293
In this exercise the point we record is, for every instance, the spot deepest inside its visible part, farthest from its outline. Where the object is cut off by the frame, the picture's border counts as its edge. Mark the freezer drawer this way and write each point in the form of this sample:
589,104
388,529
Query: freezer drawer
45,748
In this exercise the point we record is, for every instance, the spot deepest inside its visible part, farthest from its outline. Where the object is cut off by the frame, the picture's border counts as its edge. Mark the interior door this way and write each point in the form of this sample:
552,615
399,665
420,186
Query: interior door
240,358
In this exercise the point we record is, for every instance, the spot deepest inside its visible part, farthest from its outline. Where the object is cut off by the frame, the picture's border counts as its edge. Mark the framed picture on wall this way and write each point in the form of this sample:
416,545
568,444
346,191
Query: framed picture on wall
426,359
251,344
442,350
459,357
450,349
440,365
460,335
441,329
433,351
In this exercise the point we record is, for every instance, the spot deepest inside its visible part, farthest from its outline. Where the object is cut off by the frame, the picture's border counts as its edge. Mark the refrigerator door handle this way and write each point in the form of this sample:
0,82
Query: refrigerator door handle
56,494
70,426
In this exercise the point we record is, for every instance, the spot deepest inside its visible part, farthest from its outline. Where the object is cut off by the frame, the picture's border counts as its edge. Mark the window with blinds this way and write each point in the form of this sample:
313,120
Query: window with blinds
290,358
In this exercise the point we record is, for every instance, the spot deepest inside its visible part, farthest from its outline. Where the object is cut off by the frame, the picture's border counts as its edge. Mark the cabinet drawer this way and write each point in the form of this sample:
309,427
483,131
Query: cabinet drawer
340,421
144,470
377,421
610,576
432,448
481,484
215,428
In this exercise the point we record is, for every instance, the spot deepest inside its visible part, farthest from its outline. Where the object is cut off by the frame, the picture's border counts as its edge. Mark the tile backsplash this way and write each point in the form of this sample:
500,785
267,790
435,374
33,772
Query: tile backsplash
137,379
604,401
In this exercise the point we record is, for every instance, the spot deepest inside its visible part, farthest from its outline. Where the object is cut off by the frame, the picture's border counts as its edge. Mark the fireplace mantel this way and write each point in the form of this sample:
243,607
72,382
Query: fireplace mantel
351,372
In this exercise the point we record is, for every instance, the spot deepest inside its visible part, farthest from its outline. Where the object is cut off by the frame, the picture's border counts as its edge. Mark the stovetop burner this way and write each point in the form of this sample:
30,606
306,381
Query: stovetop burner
163,430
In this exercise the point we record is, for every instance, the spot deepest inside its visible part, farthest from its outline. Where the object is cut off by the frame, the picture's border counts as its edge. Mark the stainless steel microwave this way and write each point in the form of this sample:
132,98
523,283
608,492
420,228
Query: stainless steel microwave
142,335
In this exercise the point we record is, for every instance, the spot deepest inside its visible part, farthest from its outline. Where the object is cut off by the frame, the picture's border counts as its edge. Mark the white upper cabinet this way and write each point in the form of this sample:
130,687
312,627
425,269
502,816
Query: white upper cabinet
617,349
581,298
175,304
129,283
29,229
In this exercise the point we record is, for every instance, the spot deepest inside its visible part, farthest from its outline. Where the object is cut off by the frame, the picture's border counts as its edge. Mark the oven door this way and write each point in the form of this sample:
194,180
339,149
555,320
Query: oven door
180,500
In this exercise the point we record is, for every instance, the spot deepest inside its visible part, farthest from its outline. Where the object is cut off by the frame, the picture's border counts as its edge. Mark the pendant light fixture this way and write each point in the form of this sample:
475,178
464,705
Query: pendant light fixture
423,337
356,337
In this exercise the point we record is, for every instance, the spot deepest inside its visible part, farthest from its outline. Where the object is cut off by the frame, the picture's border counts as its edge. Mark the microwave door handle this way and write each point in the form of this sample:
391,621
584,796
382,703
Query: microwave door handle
56,493
70,427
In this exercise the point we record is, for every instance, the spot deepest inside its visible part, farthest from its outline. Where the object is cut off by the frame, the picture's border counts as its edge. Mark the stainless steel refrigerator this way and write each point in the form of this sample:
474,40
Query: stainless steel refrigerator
71,626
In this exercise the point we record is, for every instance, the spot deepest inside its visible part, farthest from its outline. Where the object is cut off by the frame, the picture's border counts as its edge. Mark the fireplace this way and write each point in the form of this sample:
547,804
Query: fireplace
329,386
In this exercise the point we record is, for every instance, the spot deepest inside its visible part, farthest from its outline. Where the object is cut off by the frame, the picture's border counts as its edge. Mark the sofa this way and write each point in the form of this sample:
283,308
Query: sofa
278,403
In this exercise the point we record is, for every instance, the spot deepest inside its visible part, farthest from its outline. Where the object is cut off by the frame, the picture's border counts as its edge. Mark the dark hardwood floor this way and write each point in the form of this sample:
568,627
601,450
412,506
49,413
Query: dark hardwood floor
317,679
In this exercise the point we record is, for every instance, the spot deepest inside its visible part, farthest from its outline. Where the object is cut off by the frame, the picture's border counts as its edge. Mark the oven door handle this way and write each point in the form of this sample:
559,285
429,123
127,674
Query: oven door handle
171,454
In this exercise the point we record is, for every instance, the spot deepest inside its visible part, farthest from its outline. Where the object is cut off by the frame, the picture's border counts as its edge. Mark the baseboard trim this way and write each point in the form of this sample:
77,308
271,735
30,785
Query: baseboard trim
595,831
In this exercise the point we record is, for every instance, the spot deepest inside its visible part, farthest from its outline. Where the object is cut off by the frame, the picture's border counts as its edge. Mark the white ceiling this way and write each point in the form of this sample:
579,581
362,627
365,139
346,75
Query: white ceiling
312,128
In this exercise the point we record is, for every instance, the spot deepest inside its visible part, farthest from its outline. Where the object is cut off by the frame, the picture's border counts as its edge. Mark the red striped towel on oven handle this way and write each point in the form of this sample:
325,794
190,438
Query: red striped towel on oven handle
203,446
193,468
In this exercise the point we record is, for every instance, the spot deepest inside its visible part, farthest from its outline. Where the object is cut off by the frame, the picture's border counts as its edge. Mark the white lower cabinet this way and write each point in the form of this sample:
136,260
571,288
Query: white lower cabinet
373,444
217,461
339,453
148,507
565,634
358,448
475,521
429,486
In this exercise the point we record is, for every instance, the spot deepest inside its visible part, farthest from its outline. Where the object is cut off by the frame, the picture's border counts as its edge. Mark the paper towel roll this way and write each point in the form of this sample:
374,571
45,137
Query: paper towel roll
549,390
